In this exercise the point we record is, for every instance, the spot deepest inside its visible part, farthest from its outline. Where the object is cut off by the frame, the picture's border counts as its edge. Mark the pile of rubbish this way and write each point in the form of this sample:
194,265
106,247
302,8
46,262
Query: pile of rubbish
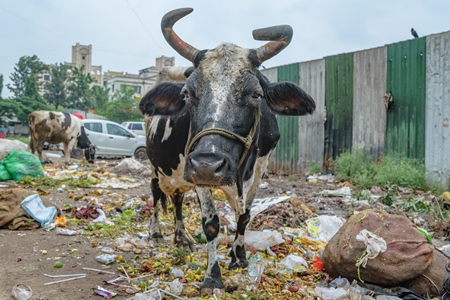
294,249
371,255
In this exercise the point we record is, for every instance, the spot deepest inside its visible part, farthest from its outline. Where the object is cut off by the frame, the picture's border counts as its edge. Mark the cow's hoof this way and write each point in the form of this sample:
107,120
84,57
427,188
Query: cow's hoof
238,264
181,239
157,237
210,284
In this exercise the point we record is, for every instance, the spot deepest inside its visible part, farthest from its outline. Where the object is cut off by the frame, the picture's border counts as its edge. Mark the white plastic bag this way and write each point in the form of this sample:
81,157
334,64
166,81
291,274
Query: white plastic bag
325,293
328,226
260,240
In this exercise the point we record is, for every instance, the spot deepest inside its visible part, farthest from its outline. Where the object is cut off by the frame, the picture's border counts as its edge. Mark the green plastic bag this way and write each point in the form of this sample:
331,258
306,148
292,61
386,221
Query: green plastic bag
21,164
4,174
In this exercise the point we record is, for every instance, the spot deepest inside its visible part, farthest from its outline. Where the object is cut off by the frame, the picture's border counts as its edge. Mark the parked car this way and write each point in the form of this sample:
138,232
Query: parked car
112,139
136,127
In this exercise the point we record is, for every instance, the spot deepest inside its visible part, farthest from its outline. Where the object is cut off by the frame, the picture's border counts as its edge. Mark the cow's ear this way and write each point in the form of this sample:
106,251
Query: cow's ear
286,98
163,99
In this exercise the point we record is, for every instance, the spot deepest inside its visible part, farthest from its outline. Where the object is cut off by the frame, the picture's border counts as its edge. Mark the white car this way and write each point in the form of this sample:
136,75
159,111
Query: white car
136,127
112,139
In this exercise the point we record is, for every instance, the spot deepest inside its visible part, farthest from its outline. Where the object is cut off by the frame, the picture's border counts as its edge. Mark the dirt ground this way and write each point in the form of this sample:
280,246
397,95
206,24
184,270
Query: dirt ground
26,256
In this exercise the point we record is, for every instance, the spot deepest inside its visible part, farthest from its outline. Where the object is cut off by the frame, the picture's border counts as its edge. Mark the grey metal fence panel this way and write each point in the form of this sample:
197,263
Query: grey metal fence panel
369,112
437,126
272,75
311,127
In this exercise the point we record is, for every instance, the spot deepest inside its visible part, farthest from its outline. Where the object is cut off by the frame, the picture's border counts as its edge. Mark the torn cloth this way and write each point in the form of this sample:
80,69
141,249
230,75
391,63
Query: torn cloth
374,244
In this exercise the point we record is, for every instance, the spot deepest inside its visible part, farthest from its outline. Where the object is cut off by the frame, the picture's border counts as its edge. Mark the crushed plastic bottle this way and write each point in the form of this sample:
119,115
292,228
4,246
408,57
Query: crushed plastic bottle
106,258
340,283
255,270
65,231
21,292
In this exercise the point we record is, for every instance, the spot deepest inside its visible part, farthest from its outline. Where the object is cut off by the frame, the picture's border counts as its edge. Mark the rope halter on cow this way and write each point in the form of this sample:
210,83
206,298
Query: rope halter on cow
247,141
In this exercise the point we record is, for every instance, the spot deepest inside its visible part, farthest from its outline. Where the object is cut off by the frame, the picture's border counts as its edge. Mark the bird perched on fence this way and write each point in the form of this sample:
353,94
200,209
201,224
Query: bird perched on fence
414,33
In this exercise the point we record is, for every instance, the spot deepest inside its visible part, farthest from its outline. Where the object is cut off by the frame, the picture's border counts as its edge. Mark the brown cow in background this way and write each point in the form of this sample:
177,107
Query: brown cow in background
55,128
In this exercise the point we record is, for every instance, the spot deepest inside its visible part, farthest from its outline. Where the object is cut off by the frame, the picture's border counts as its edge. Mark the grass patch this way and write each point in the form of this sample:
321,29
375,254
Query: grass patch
51,183
23,139
313,167
361,170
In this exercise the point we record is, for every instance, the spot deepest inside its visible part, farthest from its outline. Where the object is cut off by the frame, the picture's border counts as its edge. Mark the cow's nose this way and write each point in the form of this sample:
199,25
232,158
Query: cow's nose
206,169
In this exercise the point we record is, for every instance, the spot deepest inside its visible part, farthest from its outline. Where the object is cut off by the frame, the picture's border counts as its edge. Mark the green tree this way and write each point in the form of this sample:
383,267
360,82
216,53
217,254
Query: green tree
26,67
20,107
123,107
80,94
100,97
55,90
7,107
29,101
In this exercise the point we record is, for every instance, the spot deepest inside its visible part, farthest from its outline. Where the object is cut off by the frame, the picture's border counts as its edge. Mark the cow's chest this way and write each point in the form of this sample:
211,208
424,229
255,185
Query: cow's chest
174,183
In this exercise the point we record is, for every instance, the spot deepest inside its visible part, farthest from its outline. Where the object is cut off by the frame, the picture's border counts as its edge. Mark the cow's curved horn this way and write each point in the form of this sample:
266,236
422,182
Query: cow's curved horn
279,37
167,22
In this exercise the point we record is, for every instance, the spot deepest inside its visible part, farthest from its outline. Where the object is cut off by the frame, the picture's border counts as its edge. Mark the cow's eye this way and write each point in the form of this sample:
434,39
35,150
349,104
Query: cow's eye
185,94
257,95
187,97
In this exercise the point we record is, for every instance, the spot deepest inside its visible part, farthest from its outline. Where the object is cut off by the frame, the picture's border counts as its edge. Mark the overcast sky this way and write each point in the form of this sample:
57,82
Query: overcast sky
126,35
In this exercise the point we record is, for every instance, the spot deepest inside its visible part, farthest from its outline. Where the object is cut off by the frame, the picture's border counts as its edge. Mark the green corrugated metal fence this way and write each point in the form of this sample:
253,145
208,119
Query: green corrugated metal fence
339,105
287,148
406,76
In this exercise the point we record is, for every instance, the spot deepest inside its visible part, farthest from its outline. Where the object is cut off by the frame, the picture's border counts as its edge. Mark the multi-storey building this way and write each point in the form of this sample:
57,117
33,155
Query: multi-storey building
113,80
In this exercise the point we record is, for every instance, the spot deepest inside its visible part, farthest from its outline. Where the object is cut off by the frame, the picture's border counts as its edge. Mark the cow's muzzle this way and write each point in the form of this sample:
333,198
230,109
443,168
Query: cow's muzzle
209,169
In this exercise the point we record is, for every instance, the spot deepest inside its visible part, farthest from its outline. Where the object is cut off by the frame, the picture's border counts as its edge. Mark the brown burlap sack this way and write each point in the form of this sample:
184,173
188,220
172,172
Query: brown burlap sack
407,258
431,281
12,215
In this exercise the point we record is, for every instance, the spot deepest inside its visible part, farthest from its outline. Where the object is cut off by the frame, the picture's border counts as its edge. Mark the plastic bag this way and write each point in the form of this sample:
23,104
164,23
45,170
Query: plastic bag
324,227
35,208
294,263
22,164
4,174
331,293
260,240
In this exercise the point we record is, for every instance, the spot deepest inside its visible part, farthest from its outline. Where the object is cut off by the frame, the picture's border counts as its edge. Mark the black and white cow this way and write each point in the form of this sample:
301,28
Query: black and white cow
58,127
217,131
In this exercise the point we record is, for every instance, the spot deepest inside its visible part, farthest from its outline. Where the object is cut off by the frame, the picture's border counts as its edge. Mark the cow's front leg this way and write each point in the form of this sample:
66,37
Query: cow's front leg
211,226
68,149
66,153
237,253
39,146
155,229
181,237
